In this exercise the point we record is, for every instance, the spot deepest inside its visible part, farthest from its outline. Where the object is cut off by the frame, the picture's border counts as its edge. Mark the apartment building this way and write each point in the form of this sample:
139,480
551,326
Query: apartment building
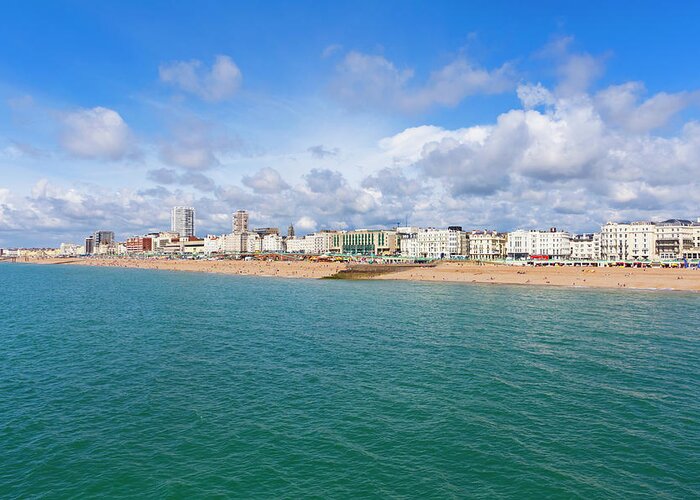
585,246
535,244
487,245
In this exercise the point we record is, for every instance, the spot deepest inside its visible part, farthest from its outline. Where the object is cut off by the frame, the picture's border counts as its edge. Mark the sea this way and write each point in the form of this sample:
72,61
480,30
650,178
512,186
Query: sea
156,384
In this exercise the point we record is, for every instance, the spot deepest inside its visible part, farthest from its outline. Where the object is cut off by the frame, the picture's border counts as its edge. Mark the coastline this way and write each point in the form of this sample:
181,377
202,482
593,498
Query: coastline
666,279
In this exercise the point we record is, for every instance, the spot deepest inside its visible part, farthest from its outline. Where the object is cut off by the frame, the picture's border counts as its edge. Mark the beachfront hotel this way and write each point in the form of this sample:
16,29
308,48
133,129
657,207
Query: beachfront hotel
551,244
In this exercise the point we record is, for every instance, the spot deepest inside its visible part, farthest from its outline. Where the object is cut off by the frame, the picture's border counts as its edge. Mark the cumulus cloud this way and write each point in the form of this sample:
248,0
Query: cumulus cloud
577,161
622,105
575,71
219,83
306,224
364,80
266,181
393,182
321,180
96,133
534,95
566,156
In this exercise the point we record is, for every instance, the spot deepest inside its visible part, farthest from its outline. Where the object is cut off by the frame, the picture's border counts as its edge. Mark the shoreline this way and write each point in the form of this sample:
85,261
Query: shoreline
649,279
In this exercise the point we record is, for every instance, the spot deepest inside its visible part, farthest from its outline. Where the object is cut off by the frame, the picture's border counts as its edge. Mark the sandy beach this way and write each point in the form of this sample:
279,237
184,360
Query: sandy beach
460,272
588,277
294,269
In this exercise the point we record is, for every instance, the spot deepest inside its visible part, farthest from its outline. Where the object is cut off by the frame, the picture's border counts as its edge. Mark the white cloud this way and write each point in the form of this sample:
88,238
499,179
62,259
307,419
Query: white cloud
568,164
97,133
305,224
364,80
576,71
219,83
266,181
534,95
407,146
621,105
567,156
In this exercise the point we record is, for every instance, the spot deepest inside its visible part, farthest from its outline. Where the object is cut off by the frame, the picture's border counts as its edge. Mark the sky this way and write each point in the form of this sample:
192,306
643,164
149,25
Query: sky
363,114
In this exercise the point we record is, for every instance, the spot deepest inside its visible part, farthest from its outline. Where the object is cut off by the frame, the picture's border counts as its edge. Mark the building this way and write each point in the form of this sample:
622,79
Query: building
188,245
90,245
100,242
213,244
674,238
182,221
295,245
628,241
487,245
585,246
273,243
103,238
365,242
139,244
239,222
290,231
431,243
69,250
240,243
312,244
160,241
535,244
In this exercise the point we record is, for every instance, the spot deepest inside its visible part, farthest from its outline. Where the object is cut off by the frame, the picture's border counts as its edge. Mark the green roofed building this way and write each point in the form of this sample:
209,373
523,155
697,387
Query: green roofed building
366,242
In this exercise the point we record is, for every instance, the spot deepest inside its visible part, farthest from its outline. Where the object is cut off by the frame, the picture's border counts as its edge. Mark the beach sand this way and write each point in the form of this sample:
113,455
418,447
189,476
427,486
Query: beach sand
462,272
283,269
589,277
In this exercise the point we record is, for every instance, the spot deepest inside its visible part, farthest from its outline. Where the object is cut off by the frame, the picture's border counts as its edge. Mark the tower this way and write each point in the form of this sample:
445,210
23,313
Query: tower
290,230
182,221
240,221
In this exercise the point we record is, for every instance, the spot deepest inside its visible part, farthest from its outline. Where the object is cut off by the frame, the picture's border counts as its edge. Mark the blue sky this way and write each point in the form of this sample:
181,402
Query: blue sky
358,114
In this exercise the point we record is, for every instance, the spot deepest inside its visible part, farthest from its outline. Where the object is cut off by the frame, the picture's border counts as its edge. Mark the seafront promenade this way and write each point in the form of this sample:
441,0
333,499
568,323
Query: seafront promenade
448,271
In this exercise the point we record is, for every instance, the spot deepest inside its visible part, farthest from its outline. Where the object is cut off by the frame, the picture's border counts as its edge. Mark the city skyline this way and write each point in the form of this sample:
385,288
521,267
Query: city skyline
511,118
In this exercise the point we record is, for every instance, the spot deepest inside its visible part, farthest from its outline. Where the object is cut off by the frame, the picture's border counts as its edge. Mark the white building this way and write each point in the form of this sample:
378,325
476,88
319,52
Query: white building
311,244
69,249
585,246
213,244
431,243
182,221
674,238
694,253
237,243
487,245
295,245
273,243
534,244
628,241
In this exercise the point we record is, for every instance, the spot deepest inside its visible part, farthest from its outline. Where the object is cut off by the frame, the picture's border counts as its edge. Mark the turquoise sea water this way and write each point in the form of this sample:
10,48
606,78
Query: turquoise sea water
134,383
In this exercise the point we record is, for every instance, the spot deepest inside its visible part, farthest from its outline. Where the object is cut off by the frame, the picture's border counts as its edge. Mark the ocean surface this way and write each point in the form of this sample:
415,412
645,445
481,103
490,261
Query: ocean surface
137,383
